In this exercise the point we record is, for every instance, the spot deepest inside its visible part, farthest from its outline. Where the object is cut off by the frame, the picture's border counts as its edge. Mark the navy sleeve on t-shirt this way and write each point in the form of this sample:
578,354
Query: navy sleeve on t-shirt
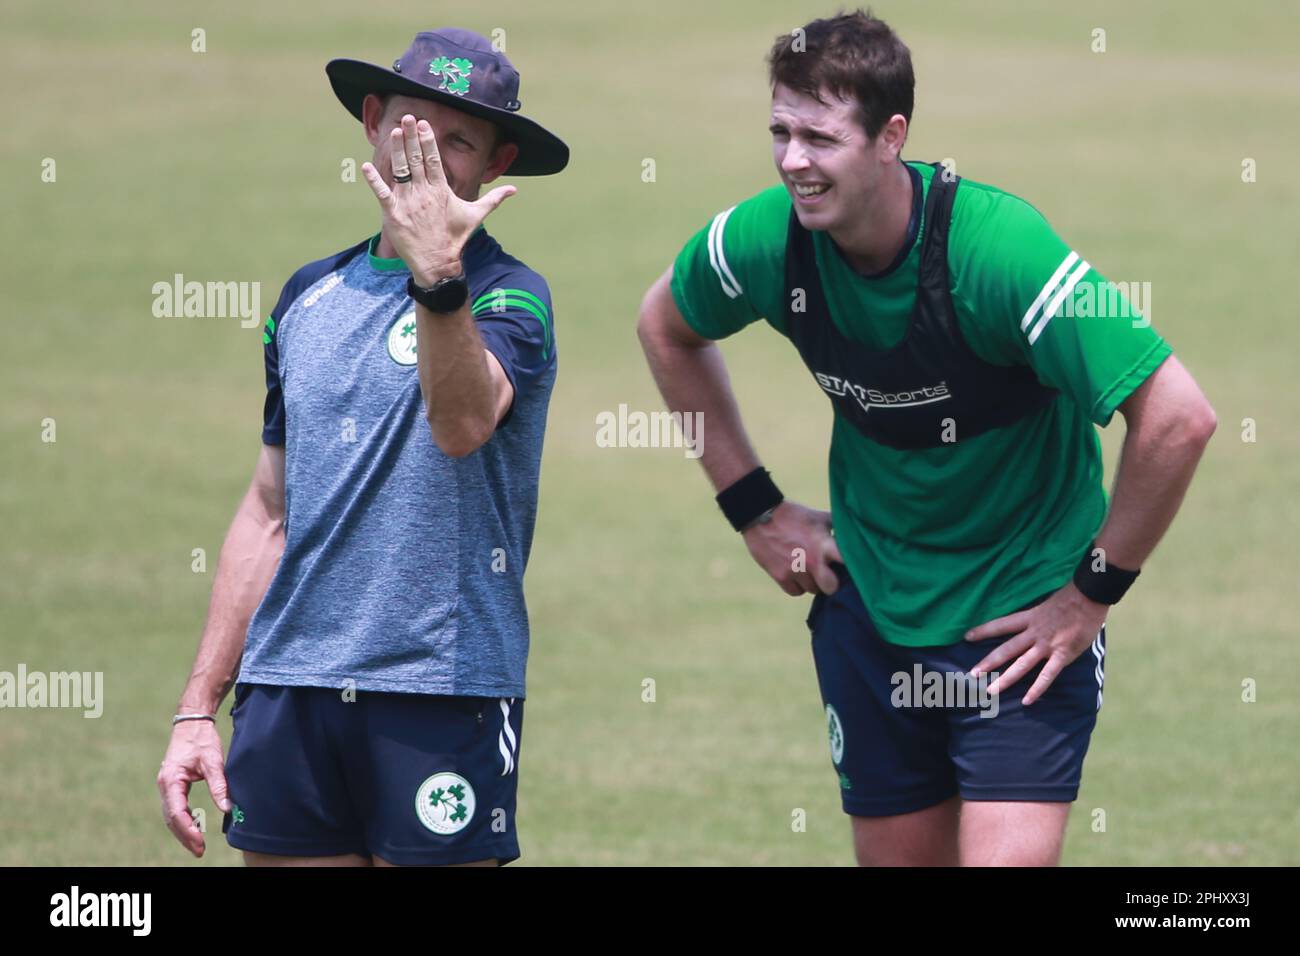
513,312
299,282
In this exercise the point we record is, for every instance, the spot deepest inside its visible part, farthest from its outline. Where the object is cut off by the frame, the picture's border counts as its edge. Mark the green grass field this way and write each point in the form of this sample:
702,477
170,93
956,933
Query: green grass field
225,165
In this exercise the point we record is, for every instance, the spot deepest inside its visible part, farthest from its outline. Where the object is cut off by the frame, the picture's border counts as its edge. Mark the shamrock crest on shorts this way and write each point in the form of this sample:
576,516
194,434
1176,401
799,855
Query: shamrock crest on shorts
445,803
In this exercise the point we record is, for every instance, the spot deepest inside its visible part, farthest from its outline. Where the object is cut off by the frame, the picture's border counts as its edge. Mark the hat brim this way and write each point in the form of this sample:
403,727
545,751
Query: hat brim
541,152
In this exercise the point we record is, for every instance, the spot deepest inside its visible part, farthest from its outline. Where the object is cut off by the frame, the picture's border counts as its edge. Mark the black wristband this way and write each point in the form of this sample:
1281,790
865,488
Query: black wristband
747,500
446,295
1106,586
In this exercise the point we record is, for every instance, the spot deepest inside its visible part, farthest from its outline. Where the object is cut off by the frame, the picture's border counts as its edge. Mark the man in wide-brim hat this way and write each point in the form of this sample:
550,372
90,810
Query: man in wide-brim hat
369,596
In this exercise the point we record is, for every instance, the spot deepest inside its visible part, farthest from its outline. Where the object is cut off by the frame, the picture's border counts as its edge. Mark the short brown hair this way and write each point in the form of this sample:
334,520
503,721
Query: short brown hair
851,55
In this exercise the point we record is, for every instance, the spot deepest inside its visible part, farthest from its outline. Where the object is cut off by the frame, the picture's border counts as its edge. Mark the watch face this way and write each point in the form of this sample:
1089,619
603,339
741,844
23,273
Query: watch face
449,294
445,295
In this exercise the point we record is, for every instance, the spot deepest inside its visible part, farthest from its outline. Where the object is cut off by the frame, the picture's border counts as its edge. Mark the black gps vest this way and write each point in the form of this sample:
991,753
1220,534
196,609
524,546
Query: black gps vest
928,390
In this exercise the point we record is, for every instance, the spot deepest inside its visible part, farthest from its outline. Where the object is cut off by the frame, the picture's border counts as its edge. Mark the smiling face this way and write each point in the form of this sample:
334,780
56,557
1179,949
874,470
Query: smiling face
830,167
468,145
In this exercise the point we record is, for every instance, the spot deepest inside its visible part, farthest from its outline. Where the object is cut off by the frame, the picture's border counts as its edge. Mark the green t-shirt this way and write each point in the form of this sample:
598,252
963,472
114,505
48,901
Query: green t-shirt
941,539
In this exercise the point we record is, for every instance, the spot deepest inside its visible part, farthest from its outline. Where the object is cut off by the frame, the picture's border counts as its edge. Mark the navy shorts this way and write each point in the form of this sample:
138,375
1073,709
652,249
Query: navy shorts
908,728
416,779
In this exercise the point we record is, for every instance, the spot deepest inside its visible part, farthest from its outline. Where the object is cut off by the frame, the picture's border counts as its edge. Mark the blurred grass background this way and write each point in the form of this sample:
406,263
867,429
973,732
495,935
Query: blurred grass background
225,166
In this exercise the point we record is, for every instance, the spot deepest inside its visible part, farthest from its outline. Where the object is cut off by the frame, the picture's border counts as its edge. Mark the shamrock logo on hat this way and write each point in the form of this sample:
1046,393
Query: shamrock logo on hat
454,73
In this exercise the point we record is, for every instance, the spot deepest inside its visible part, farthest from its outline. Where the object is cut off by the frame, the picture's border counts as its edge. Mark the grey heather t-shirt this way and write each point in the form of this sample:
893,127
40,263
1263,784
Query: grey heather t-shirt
403,567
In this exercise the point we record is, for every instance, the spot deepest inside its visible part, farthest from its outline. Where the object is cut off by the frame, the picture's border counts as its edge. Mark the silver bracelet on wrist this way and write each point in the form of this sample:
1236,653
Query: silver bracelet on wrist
179,717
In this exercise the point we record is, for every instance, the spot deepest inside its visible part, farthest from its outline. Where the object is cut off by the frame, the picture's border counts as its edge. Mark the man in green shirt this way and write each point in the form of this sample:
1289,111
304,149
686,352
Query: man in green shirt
968,353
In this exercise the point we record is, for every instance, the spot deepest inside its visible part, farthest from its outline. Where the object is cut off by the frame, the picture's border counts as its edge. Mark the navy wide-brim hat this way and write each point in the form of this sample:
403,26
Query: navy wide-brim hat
459,68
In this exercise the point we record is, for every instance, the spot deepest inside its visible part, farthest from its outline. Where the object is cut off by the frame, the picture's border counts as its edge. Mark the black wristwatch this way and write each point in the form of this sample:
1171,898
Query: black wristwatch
444,296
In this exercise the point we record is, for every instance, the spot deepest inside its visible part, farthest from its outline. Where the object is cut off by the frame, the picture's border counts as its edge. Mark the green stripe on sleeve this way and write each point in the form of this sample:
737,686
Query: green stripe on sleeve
518,293
489,297
520,299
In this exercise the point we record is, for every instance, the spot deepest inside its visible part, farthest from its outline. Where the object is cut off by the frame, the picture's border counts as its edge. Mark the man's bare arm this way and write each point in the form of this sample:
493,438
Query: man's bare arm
466,391
692,377
1169,422
248,560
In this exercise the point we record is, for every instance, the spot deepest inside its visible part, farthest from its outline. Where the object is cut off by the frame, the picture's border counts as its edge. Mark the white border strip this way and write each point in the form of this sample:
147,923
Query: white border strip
1047,289
1049,311
718,259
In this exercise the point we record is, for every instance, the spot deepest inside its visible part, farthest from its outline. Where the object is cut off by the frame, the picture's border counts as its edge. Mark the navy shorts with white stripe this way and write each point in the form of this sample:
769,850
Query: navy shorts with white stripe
415,779
908,728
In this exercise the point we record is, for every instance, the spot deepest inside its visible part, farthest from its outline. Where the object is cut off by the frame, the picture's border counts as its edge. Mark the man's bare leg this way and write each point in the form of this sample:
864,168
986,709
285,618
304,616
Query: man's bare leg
923,838
1011,833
